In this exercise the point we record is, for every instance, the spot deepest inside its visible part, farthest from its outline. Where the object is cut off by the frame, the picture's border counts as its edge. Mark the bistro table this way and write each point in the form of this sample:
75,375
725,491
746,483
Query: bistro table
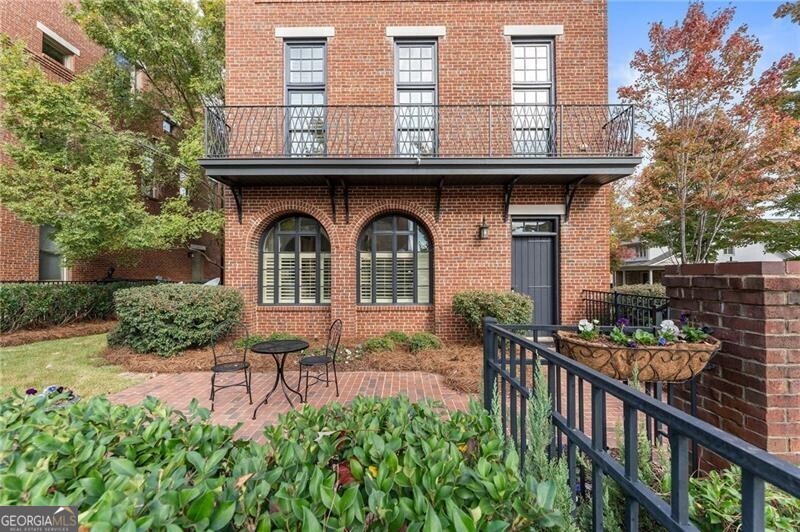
279,349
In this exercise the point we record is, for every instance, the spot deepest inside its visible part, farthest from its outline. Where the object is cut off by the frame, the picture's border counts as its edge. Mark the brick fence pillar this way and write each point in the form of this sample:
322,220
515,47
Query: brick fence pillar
754,309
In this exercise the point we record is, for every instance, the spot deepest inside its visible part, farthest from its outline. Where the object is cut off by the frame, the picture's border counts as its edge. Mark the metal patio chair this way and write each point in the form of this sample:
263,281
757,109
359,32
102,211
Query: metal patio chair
326,358
230,357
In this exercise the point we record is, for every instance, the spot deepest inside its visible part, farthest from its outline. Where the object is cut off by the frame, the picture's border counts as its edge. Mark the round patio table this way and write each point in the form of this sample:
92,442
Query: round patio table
279,349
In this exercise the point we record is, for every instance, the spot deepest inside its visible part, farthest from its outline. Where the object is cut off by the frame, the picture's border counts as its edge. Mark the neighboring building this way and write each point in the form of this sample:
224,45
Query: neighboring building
28,252
645,265
383,156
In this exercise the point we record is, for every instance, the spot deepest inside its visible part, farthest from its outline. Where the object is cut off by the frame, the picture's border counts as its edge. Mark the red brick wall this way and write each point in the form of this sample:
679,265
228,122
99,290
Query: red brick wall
461,262
474,66
754,309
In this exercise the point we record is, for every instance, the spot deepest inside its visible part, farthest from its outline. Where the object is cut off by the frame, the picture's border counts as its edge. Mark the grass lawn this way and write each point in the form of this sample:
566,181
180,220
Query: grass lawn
72,362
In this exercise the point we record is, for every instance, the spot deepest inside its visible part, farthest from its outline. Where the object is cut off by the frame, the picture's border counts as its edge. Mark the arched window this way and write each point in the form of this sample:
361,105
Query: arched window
394,262
295,263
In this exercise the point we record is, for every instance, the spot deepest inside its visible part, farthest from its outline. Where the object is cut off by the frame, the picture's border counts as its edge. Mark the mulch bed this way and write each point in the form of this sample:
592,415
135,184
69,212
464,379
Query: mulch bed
460,365
59,332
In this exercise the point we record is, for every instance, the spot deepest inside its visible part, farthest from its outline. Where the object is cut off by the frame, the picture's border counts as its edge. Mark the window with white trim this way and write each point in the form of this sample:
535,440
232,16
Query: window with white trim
532,98
416,97
57,52
395,263
295,263
305,95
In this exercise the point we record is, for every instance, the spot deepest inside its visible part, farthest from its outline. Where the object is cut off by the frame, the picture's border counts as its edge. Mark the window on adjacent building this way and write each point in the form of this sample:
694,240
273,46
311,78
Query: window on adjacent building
416,97
57,52
305,95
49,256
395,263
295,263
532,78
148,182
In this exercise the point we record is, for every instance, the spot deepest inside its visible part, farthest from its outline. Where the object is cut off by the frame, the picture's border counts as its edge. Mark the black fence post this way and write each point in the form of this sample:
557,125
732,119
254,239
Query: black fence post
489,353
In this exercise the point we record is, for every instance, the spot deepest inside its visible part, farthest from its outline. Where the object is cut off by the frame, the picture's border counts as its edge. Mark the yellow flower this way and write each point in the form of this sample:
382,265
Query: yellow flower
373,470
462,447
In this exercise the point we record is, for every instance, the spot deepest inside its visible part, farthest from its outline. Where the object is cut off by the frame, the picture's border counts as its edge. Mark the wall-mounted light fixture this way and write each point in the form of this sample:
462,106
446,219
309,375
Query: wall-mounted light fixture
483,230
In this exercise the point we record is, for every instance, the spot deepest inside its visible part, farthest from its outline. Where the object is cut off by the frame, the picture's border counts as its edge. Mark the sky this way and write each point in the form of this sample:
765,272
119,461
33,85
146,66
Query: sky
629,21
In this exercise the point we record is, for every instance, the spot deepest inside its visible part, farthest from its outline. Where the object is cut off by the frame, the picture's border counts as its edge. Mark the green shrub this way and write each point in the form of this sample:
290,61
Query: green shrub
423,340
506,307
166,319
36,305
375,345
398,337
377,464
653,290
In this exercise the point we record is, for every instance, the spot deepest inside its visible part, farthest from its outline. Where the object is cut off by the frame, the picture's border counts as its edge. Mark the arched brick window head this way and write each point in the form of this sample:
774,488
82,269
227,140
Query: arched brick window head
295,263
395,262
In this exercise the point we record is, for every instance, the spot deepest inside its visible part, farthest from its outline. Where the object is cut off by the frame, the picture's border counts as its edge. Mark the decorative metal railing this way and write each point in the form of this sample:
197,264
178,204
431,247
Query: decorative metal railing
640,311
581,435
341,131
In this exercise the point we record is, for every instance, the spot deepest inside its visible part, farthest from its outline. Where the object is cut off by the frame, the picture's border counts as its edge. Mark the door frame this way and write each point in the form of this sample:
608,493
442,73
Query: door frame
556,236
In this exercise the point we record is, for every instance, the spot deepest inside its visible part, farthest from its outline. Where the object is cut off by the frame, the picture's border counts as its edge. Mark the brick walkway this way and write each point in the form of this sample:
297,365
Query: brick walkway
232,405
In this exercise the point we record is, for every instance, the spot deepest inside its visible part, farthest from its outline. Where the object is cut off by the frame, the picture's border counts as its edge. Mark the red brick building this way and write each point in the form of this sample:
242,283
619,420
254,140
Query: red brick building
383,155
27,252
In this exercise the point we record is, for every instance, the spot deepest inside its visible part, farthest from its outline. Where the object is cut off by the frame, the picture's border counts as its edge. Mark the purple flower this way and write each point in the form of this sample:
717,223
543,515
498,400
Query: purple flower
623,322
30,391
631,343
662,341
684,318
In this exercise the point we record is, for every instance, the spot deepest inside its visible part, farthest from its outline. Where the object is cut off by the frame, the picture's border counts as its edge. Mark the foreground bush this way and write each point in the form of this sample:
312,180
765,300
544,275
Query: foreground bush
32,305
166,319
652,290
507,307
423,340
375,464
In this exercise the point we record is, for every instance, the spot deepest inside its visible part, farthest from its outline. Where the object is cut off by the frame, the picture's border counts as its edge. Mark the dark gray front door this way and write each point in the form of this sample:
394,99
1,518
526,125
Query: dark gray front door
533,271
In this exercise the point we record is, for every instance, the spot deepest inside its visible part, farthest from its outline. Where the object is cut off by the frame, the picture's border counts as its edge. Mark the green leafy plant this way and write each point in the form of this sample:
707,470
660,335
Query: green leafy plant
375,464
423,340
32,305
650,290
398,337
167,319
507,307
375,345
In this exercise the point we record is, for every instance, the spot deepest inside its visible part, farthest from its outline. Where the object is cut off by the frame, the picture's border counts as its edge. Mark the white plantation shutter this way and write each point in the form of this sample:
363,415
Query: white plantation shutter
405,277
286,277
268,277
365,276
383,278
423,277
325,278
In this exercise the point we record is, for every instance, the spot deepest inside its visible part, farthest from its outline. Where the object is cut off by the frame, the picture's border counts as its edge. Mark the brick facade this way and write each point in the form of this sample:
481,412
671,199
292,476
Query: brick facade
754,309
474,67
19,241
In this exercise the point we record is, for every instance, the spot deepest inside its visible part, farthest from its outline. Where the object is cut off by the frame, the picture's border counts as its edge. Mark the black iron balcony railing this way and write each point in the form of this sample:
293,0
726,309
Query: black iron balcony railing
387,131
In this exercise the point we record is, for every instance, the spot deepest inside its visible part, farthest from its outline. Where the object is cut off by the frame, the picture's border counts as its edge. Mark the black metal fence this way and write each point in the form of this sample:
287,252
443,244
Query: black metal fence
510,354
496,130
640,311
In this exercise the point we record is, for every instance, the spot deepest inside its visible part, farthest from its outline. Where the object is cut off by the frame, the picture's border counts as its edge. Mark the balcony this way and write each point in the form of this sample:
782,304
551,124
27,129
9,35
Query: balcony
419,144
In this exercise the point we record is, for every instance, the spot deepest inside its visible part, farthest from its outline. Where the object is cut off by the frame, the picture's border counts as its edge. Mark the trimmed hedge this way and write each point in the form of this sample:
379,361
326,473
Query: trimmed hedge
507,307
653,290
374,464
34,305
166,319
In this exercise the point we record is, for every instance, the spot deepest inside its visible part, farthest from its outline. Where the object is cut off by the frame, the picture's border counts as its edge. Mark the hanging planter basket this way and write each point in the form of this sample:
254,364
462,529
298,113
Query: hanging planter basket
675,362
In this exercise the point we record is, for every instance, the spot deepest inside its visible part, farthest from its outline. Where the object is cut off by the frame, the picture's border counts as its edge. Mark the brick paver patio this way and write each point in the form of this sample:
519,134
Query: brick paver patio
232,405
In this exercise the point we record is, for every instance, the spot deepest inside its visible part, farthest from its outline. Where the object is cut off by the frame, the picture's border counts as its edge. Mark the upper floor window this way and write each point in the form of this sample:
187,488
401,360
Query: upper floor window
416,97
295,263
57,52
305,95
394,262
532,86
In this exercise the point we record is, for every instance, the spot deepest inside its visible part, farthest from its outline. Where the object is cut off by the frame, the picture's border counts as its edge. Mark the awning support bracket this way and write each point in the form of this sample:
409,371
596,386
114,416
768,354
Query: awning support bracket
346,192
569,197
332,193
438,207
237,198
508,188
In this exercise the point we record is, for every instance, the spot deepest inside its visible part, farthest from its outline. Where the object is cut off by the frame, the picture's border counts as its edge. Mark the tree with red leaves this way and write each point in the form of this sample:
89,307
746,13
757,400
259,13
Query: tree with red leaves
720,150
